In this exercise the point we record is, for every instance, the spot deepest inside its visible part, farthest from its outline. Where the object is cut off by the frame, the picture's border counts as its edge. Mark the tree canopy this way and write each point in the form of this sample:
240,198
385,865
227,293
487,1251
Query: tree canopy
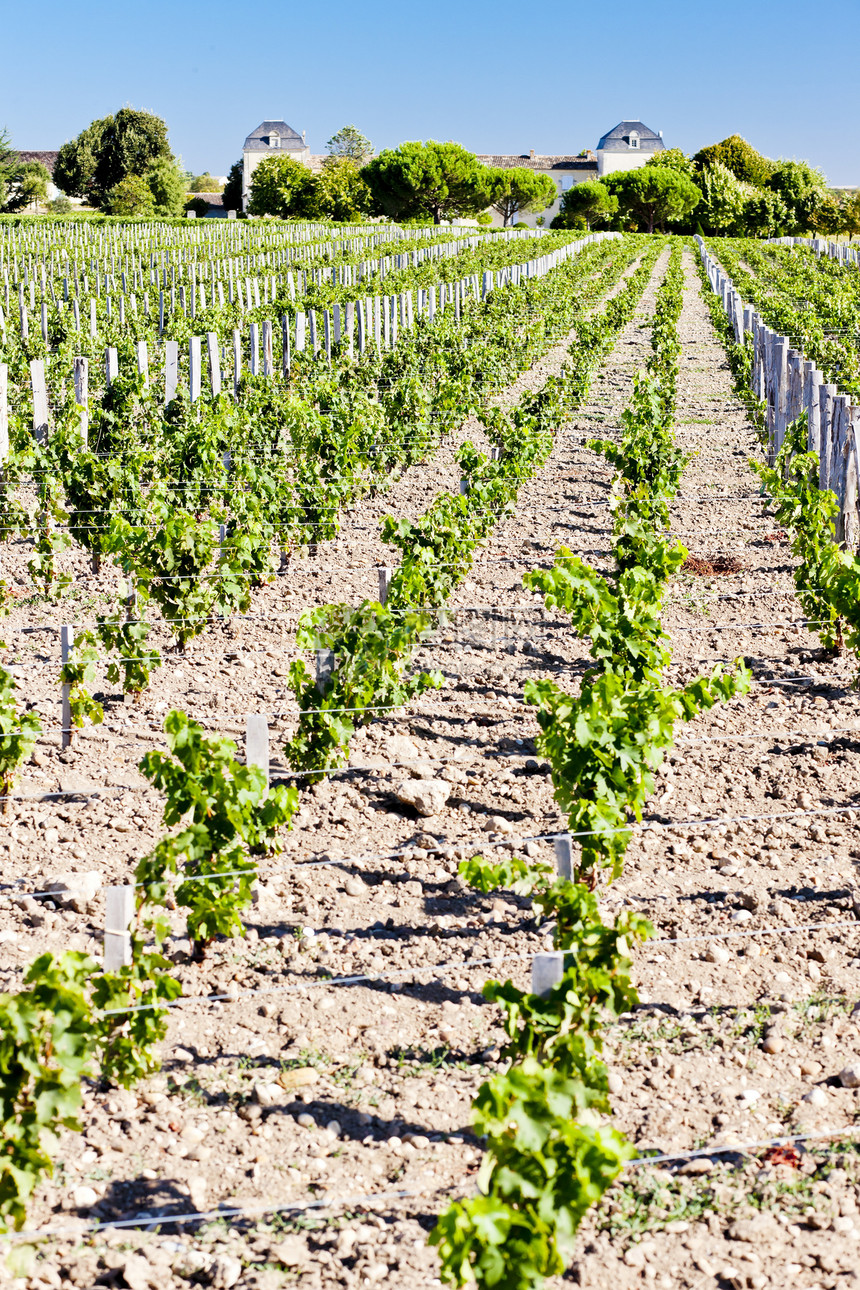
804,191
232,195
653,196
741,159
131,196
587,203
673,159
342,193
427,180
110,149
519,189
205,183
283,187
350,142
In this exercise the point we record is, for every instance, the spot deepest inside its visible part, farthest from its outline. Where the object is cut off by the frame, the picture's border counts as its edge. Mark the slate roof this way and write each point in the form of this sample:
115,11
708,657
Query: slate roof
618,138
258,140
48,159
545,162
214,199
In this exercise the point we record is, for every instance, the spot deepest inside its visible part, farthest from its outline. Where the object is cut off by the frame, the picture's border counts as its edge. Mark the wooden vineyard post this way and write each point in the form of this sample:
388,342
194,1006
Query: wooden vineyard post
237,361
82,395
67,638
194,362
547,972
257,743
213,354
171,370
119,911
564,856
4,412
40,400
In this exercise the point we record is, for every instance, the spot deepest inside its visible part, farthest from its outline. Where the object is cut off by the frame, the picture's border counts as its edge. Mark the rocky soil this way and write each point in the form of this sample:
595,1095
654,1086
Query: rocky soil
285,1091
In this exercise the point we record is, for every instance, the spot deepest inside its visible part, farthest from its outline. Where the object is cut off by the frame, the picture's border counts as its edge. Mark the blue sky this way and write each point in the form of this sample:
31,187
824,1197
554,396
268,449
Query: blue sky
497,77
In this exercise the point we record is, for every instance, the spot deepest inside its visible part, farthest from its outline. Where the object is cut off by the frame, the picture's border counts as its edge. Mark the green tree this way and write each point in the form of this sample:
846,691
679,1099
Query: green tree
519,189
724,200
851,214
765,214
653,196
204,184
232,195
131,196
740,157
29,185
804,191
342,194
108,151
167,185
590,203
9,164
283,187
673,159
75,167
132,141
417,180
350,142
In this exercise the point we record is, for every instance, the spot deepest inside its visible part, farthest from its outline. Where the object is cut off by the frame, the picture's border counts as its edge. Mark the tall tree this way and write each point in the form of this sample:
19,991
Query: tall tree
232,195
167,185
653,196
28,185
283,187
9,165
673,159
427,180
519,189
75,168
740,157
110,149
724,200
350,142
804,191
131,196
590,202
342,194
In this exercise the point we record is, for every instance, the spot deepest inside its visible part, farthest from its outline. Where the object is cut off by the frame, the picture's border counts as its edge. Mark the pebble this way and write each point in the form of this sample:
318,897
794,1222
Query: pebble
84,1197
306,1121
717,953
816,1097
426,796
849,1076
773,1044
355,886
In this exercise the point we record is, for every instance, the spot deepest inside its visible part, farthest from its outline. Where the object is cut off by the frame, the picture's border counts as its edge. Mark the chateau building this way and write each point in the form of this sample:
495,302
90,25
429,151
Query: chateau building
625,147
628,145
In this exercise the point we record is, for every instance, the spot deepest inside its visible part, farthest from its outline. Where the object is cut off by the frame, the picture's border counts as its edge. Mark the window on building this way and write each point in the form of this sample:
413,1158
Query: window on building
274,140
634,139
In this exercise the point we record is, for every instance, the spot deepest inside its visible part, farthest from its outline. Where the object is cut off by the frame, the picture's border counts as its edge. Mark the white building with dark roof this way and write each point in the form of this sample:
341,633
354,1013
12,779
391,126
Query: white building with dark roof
270,139
628,145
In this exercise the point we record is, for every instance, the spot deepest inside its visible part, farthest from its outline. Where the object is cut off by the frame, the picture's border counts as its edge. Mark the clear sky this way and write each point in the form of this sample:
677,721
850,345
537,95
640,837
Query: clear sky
495,75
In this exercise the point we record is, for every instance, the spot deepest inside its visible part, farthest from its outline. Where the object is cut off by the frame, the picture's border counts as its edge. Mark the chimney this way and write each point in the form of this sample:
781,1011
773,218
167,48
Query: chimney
303,136
531,152
660,134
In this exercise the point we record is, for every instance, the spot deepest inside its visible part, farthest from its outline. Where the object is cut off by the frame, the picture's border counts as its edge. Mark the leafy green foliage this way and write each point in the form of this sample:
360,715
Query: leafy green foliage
46,1049
371,647
229,816
827,577
18,735
78,673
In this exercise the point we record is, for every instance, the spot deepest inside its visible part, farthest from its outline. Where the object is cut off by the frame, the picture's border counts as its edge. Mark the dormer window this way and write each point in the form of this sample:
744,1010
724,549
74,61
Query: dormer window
634,139
274,141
